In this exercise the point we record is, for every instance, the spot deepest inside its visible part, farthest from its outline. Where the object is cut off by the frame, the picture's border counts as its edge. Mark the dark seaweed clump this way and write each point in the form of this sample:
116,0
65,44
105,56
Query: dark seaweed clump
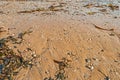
11,62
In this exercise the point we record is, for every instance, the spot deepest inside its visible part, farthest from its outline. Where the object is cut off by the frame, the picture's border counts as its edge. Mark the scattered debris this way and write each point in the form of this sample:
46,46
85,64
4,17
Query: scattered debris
50,8
55,8
48,78
88,60
113,7
63,64
90,66
89,5
33,10
48,13
103,10
91,13
100,6
11,62
60,74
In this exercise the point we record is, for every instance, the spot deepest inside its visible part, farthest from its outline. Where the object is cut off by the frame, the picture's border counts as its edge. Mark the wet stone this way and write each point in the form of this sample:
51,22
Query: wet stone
107,78
88,60
1,67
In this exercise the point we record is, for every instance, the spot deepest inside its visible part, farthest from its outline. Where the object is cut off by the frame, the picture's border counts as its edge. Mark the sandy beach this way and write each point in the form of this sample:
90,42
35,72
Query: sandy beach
64,39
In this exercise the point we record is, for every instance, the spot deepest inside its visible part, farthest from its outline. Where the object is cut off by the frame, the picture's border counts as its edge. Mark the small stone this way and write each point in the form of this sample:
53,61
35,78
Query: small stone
30,62
107,78
13,34
34,55
1,67
15,46
95,59
92,67
102,50
115,17
47,72
69,53
48,78
88,60
90,39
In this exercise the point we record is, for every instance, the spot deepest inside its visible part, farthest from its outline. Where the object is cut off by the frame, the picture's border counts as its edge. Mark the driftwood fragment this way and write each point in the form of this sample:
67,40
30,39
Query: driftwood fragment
103,28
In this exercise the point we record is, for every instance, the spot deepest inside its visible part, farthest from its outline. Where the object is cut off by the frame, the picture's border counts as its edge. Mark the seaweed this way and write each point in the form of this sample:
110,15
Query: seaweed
50,8
20,35
60,73
64,63
60,76
12,62
88,5
31,11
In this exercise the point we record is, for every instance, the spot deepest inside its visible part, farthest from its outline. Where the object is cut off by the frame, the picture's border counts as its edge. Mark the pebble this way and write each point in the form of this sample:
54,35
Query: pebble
102,50
91,67
30,62
107,78
47,72
13,34
34,55
88,60
1,67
